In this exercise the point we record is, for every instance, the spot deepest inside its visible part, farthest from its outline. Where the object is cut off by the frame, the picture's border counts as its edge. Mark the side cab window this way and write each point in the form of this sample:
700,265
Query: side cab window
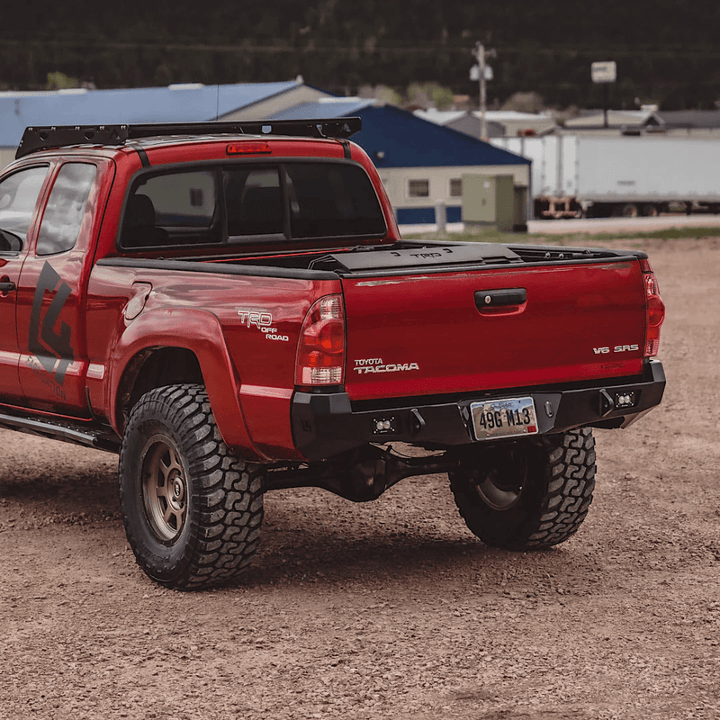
65,208
19,194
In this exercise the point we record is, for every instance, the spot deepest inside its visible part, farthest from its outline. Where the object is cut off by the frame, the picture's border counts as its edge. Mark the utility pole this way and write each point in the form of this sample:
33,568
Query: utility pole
481,55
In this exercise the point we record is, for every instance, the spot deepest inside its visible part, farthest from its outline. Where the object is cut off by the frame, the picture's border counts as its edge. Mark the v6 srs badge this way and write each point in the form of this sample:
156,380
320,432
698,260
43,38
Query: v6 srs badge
617,349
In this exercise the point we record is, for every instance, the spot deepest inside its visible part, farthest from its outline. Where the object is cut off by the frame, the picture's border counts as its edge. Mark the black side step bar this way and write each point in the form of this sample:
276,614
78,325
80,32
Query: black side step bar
77,434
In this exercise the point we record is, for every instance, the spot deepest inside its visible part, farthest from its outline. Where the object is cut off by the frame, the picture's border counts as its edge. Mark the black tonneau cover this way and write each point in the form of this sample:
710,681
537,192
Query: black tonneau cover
438,256
420,255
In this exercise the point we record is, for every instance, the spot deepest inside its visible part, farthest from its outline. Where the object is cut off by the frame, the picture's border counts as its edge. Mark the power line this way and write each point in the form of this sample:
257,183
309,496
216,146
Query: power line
345,49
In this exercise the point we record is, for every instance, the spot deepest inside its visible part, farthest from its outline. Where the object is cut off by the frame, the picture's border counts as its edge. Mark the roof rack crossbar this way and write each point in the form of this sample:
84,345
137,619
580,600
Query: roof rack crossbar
42,138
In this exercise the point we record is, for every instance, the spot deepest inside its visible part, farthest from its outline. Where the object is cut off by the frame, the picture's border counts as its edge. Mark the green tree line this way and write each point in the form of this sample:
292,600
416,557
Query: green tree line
666,52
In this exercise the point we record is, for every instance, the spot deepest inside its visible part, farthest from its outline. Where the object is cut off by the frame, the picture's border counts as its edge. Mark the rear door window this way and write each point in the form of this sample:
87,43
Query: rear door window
65,208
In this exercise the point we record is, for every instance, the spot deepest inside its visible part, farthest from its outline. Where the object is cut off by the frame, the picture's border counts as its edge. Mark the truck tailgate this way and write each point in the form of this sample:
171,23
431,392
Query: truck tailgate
487,329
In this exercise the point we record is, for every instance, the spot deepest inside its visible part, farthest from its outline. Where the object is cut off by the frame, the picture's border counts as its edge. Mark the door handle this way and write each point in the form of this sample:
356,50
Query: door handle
489,299
6,286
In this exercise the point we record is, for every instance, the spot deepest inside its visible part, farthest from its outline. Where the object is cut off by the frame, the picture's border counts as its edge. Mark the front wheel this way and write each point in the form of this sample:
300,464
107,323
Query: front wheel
192,510
528,494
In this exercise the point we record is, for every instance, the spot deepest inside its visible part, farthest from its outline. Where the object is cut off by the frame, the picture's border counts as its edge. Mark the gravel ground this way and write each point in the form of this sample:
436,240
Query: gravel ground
391,609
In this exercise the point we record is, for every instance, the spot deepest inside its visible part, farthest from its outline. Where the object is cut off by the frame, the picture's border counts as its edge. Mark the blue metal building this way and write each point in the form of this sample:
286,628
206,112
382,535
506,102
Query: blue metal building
421,163
176,103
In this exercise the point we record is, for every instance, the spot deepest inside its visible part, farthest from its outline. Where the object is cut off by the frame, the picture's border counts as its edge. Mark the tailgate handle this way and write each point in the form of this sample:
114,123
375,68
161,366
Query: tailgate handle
487,299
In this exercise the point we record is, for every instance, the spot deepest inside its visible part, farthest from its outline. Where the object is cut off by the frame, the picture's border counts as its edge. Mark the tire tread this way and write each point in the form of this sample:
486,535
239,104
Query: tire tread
228,491
563,496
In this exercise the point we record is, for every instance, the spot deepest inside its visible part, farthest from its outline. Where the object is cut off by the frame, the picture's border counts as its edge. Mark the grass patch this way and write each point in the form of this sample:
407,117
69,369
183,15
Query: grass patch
672,233
492,235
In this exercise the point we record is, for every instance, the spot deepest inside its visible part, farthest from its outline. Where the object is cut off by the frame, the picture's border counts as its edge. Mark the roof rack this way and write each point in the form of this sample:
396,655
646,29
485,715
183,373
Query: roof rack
41,138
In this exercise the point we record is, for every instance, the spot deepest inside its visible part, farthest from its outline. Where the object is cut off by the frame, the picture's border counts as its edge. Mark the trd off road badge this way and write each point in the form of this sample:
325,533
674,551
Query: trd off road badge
263,321
52,349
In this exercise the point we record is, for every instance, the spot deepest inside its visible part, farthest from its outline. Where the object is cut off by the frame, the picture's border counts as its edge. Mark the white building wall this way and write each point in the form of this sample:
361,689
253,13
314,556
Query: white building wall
397,181
7,155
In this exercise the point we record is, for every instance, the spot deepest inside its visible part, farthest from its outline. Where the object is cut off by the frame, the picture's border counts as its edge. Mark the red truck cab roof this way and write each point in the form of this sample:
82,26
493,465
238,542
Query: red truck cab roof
139,153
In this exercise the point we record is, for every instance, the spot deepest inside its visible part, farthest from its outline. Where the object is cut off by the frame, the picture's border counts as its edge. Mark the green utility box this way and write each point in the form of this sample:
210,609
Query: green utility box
489,200
520,218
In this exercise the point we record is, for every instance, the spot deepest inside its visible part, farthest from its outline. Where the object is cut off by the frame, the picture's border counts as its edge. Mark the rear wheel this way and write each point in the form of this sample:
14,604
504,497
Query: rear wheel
650,210
529,494
192,510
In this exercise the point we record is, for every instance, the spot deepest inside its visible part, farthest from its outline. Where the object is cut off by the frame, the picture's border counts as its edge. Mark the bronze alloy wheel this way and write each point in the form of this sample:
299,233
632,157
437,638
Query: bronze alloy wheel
192,510
164,488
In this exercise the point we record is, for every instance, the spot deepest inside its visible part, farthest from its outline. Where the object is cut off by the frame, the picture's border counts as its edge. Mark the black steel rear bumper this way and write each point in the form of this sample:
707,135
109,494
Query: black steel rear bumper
325,425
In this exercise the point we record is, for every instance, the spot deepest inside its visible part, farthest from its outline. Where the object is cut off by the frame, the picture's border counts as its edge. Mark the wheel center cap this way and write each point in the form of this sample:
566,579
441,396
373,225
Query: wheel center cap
177,489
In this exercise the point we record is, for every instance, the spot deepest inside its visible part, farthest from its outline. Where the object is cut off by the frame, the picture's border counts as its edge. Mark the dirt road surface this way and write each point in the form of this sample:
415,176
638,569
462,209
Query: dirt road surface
617,225
391,609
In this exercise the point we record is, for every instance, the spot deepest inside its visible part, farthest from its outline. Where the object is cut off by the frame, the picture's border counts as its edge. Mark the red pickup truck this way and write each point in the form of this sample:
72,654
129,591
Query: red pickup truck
231,308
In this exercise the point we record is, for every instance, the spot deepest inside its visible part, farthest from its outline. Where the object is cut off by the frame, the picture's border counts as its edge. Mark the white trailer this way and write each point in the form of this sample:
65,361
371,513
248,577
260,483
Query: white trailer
626,176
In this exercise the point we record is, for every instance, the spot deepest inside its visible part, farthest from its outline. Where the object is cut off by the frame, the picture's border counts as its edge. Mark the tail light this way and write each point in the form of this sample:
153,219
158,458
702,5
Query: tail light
321,348
654,310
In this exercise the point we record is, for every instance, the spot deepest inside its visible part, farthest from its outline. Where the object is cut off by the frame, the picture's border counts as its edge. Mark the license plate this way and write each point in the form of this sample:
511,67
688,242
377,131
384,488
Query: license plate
504,418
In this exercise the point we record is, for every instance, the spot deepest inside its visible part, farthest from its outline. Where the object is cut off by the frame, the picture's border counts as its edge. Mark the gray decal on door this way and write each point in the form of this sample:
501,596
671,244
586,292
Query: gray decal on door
52,349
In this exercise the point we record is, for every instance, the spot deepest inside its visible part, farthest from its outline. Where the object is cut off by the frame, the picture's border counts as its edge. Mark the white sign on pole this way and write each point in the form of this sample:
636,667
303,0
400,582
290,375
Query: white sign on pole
603,72
475,73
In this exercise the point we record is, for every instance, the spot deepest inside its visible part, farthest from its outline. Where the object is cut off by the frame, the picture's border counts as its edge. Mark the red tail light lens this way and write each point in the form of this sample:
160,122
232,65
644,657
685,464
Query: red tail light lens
321,348
654,312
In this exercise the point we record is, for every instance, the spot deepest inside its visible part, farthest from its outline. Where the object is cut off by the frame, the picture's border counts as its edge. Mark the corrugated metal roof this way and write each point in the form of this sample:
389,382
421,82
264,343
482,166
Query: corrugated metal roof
596,118
325,108
441,117
690,118
397,138
176,103
445,117
513,116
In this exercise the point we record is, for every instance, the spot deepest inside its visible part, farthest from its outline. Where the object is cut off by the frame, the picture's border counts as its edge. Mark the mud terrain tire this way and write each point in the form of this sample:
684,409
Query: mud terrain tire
530,494
192,510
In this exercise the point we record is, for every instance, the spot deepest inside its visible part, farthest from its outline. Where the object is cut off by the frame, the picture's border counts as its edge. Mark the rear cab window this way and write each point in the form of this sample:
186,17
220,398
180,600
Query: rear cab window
236,203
